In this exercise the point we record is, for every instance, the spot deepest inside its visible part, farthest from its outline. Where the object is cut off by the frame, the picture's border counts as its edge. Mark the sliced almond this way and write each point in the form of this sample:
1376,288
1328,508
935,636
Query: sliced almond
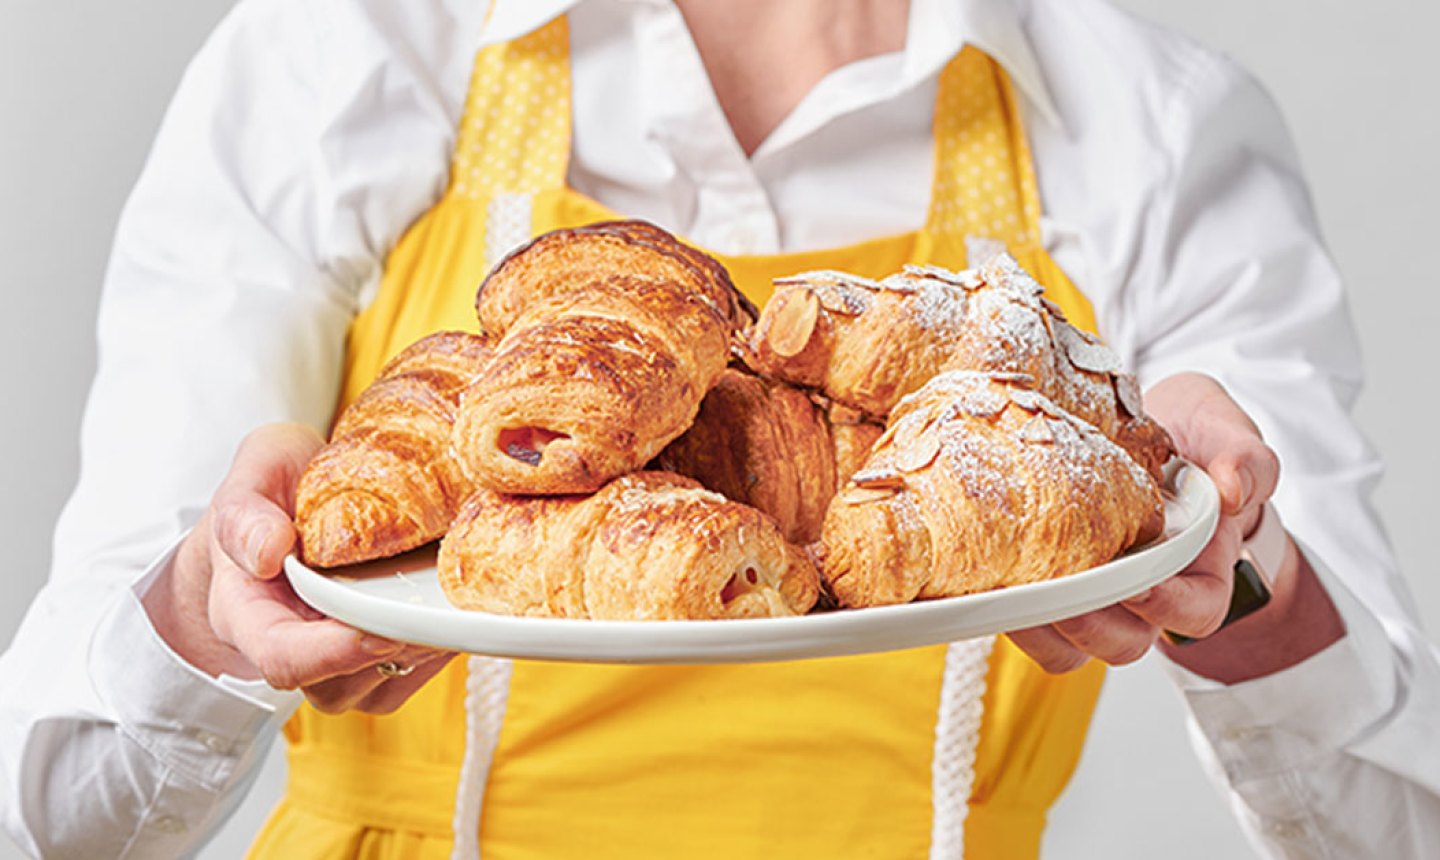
1127,391
1053,308
885,437
862,495
796,312
1026,399
844,299
1037,431
1086,351
920,453
878,479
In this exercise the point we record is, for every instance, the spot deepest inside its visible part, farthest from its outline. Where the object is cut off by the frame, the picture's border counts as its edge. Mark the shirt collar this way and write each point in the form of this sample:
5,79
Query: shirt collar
940,28
510,19
937,30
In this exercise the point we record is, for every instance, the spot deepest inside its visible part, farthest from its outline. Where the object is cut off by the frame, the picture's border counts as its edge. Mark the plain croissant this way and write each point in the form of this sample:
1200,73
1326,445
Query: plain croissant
565,261
649,545
386,482
981,482
772,446
867,344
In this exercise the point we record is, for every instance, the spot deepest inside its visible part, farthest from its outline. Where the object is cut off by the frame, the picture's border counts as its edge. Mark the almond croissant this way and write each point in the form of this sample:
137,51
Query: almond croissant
771,446
981,482
387,482
867,344
649,545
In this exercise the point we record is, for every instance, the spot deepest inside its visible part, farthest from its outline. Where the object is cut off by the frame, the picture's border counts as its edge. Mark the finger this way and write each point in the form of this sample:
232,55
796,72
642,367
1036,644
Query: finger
388,697
1051,651
345,692
253,508
1212,431
253,533
1113,634
259,618
1195,601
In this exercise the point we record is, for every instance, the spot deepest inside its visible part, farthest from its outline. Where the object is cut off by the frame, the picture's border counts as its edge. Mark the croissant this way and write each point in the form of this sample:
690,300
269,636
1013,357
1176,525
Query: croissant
852,436
387,482
981,482
589,385
771,446
565,261
649,545
866,344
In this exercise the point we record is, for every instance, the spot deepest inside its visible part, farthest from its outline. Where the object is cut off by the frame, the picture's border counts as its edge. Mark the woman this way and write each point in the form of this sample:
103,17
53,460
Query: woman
326,160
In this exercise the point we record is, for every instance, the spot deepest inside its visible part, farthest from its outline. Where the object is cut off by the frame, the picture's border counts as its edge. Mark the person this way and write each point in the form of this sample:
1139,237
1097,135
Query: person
330,183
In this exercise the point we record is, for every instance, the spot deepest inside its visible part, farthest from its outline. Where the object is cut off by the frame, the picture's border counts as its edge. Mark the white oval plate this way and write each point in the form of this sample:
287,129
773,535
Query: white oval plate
400,598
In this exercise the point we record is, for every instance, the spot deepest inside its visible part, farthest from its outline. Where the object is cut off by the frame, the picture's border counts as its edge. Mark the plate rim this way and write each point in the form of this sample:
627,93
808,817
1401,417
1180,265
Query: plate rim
747,640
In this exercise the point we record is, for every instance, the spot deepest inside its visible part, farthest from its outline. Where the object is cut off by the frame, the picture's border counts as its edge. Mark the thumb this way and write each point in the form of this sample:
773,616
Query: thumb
253,508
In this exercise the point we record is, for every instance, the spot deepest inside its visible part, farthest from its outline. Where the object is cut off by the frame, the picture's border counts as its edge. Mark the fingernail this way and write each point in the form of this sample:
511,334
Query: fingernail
1247,487
255,546
378,646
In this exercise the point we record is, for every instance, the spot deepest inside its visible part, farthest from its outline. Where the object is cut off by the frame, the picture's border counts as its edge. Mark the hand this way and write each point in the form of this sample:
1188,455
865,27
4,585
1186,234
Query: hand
1211,431
224,608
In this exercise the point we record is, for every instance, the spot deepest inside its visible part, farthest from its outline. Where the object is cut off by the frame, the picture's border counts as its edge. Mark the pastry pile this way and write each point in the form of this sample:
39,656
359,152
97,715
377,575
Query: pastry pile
626,438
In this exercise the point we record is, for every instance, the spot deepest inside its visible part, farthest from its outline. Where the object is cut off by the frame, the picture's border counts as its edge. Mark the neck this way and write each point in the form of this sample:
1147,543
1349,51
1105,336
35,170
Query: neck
763,56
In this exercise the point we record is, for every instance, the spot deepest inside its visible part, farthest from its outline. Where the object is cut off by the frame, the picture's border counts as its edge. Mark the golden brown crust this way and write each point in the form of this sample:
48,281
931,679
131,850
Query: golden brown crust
852,436
386,482
649,545
566,261
870,343
762,443
769,445
589,385
980,482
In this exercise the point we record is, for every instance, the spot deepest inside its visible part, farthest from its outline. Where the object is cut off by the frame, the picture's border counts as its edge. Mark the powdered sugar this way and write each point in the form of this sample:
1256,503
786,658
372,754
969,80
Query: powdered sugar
636,497
967,279
947,407
1086,351
838,292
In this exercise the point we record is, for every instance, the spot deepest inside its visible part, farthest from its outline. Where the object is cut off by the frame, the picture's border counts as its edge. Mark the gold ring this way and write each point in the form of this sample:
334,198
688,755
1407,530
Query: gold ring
391,669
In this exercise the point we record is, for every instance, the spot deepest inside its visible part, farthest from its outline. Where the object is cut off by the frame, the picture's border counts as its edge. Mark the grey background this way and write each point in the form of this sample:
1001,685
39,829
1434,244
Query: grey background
82,86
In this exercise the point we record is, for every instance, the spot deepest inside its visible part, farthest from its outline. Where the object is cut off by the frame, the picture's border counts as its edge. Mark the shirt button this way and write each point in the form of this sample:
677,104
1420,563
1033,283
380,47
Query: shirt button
214,743
1241,733
1286,829
168,824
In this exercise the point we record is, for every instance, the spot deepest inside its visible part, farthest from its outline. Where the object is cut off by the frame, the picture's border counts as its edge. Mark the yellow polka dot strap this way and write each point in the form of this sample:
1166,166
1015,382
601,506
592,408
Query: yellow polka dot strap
514,137
984,183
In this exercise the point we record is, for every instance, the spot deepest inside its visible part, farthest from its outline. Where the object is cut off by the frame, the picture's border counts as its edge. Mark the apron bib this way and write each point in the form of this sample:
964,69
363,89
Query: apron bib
930,752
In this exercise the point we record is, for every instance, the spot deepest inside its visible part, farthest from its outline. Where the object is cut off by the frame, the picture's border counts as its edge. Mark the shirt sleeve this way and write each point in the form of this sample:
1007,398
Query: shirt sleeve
1320,759
277,181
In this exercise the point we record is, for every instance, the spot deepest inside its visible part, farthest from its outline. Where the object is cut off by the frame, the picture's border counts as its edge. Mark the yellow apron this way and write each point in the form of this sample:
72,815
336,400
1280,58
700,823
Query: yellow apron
871,756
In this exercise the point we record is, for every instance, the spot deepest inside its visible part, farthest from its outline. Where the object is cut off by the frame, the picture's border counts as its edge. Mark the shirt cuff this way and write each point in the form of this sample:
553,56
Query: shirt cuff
1265,726
201,726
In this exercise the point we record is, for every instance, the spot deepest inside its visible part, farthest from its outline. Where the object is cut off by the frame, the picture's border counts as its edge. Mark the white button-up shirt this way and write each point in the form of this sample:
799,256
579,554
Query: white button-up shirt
308,134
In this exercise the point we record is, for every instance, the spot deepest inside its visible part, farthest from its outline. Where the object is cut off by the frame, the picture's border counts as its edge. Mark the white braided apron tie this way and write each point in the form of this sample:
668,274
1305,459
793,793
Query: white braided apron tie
957,736
487,690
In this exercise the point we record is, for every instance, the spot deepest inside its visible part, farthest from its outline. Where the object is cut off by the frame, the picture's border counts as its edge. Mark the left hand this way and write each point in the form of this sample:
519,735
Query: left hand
1212,432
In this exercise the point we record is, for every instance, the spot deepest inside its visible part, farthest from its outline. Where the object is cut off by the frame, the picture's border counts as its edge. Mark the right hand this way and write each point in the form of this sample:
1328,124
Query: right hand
224,608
